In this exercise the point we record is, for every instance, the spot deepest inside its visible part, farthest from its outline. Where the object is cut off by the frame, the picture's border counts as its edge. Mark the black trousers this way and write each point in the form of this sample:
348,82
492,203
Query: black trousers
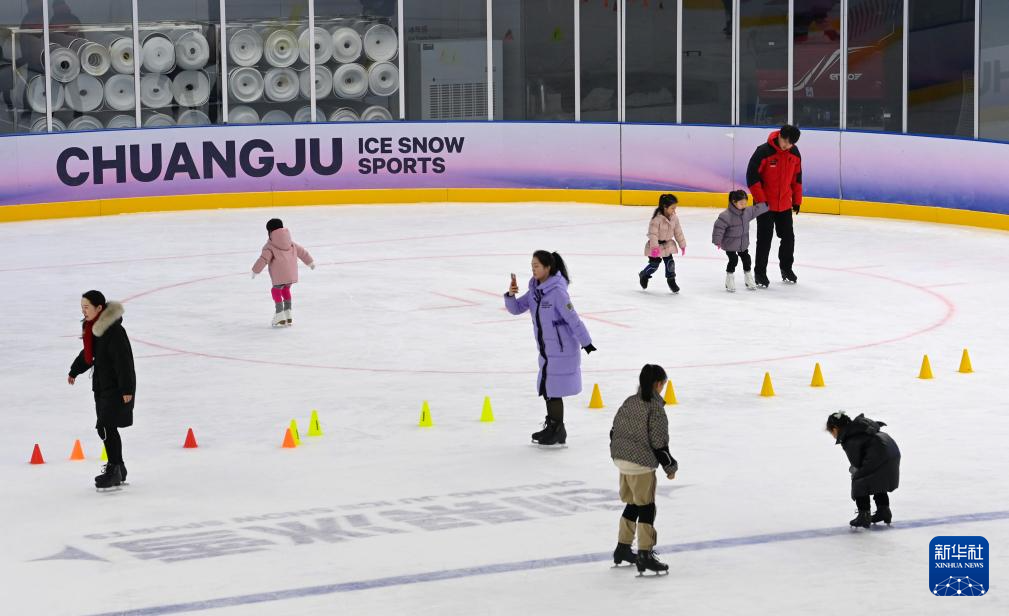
555,409
113,443
735,257
768,224
653,266
882,501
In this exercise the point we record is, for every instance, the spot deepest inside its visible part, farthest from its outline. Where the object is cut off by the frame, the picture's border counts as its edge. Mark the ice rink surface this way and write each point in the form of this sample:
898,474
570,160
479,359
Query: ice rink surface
379,516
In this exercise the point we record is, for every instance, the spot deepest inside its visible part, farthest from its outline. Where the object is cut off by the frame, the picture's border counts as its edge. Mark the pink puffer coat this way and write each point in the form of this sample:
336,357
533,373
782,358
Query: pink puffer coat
282,254
666,234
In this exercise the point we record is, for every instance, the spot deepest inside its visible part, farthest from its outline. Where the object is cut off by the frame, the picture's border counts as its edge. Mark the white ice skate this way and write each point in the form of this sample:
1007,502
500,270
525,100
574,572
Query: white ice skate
730,282
279,319
287,317
750,284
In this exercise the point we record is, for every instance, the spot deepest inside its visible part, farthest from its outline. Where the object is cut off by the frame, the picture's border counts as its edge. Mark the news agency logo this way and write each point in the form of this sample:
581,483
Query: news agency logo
958,566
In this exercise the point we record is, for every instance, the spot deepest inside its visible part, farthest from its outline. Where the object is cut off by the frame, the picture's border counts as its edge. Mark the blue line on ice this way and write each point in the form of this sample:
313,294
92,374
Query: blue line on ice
545,563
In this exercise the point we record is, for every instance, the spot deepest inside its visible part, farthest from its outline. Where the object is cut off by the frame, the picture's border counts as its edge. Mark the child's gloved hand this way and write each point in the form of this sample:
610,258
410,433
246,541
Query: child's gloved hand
254,274
311,265
683,251
655,252
718,246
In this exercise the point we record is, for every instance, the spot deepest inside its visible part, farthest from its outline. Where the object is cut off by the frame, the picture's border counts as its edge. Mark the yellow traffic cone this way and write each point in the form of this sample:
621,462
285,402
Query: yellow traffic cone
767,390
425,416
670,395
314,428
294,432
487,415
965,366
597,398
926,369
817,377
105,456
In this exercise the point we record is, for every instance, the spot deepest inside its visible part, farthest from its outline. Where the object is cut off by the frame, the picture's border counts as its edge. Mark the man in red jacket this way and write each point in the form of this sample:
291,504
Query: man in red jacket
774,176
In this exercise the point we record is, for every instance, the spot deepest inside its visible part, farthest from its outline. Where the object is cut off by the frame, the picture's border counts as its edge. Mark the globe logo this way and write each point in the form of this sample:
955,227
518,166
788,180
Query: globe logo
958,586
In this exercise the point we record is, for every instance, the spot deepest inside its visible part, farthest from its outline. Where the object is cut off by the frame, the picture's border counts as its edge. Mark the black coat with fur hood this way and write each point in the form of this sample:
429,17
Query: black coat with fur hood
114,375
874,457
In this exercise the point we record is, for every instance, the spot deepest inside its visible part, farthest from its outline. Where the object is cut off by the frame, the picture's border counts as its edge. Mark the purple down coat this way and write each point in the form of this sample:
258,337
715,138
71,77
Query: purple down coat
560,335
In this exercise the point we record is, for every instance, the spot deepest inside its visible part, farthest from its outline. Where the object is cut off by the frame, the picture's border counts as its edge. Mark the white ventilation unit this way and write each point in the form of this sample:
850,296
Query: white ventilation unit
448,80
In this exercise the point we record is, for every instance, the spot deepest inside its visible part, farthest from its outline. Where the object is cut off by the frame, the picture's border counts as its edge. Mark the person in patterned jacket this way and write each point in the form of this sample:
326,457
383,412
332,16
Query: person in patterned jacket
639,443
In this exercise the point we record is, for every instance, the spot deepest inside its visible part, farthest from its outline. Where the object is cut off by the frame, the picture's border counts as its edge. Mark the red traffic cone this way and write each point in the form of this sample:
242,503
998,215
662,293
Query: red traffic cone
37,455
190,440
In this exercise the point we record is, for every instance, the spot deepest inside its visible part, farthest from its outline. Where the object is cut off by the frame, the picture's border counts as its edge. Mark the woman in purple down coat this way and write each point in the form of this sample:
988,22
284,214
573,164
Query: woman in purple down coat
559,333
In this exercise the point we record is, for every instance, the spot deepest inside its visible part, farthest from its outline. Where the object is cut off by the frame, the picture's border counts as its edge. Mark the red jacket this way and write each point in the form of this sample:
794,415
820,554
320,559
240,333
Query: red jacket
775,176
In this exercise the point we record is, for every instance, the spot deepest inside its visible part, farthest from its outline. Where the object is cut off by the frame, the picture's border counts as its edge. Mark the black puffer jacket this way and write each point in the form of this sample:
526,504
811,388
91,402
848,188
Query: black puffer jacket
114,375
874,457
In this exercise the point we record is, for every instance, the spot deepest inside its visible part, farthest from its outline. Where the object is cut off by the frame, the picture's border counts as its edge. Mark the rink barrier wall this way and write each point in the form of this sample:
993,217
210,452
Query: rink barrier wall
102,173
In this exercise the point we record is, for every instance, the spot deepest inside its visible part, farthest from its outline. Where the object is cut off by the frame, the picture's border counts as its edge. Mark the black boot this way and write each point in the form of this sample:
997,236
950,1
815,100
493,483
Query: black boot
648,562
862,520
789,276
536,436
671,281
882,514
624,554
110,478
643,279
554,434
761,279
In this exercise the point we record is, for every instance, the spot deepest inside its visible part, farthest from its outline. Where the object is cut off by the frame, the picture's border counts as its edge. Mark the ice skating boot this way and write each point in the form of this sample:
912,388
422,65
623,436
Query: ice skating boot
624,554
730,282
750,283
279,319
536,436
789,276
671,281
862,520
554,434
287,316
882,514
112,477
647,561
761,280
643,279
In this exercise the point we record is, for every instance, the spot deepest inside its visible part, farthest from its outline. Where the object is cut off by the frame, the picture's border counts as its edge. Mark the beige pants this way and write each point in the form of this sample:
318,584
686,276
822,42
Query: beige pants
637,490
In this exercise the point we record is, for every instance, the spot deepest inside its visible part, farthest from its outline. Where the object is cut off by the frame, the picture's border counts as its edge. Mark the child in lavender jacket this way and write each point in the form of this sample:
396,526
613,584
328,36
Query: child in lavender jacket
281,254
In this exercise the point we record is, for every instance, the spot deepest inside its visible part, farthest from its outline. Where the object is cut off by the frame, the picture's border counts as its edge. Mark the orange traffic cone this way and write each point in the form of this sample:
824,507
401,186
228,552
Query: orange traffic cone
289,442
37,455
190,440
78,452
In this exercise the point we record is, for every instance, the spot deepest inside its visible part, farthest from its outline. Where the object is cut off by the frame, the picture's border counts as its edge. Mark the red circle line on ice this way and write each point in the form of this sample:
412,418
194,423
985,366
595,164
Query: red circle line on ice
950,310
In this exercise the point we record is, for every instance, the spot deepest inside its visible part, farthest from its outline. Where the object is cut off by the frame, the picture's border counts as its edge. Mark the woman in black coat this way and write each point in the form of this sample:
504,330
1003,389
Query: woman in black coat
875,464
114,381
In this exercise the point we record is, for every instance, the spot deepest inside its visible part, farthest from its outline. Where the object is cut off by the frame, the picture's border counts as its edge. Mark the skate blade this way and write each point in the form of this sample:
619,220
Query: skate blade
118,488
656,574
554,446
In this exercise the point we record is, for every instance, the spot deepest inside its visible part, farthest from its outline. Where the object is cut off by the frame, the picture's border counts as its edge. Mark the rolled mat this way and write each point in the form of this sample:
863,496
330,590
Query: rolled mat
65,65
158,53
191,88
383,78
155,91
120,93
122,121
85,93
85,122
281,48
242,114
193,117
36,94
347,44
276,116
245,47
192,50
323,82
282,84
380,43
344,114
376,113
158,119
350,81
246,84
323,45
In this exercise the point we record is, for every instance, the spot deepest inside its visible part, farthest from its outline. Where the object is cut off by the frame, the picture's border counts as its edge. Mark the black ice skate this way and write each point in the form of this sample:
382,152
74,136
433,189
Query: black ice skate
111,477
643,280
789,276
862,520
552,434
883,514
761,280
671,281
624,554
648,562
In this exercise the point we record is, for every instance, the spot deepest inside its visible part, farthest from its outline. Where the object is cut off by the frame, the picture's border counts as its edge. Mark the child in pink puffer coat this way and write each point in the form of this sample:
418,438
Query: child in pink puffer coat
281,254
665,236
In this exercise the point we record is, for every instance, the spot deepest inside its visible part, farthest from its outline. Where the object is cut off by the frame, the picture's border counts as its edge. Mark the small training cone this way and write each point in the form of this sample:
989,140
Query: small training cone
314,428
487,414
294,432
670,395
597,398
965,366
767,390
105,455
190,440
926,368
817,377
425,416
78,451
37,455
289,442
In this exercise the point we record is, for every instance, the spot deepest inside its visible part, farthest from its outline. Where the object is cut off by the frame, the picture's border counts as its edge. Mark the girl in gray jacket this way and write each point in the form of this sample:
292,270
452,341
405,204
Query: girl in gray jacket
732,234
639,443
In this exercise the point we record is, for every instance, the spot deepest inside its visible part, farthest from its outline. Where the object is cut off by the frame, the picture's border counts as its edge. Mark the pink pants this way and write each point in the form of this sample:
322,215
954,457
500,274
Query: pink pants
281,294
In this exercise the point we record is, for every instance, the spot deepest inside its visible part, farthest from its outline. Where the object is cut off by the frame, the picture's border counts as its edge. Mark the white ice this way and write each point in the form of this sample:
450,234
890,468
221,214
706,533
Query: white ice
406,306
